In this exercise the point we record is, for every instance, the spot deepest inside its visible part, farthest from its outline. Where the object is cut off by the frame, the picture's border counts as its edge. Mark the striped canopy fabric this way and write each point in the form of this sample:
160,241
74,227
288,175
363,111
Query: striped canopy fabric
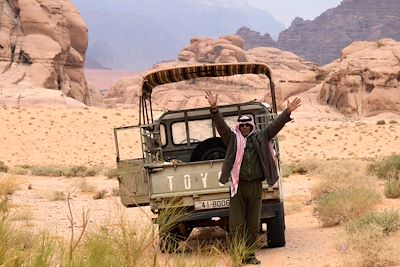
177,74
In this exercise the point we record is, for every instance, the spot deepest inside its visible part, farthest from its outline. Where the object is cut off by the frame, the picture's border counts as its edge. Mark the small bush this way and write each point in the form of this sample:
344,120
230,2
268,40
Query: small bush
112,173
367,248
91,172
19,170
100,194
388,168
301,167
345,204
380,122
393,122
3,167
392,188
387,220
85,187
8,185
53,171
58,196
340,174
365,238
75,171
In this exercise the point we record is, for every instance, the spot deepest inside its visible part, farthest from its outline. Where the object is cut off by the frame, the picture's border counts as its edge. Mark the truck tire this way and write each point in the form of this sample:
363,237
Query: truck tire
169,243
276,230
210,149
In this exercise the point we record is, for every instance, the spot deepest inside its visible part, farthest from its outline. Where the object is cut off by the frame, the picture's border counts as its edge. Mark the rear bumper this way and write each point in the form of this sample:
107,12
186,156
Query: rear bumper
268,210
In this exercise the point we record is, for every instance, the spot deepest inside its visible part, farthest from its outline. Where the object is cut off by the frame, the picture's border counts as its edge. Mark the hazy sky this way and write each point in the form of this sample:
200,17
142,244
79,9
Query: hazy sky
286,10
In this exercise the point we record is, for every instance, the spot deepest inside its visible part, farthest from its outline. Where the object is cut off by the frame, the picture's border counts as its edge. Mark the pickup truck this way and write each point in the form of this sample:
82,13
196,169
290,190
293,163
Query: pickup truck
182,155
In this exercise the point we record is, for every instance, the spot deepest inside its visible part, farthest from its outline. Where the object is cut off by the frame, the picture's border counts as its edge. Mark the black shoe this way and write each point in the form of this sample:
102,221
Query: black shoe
253,261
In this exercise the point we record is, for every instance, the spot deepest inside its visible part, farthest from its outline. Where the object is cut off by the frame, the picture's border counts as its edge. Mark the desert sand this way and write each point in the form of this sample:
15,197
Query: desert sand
84,136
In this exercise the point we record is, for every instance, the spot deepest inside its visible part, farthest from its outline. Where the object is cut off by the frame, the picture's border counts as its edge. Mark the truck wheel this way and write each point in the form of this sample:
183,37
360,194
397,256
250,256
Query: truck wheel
210,149
169,243
276,230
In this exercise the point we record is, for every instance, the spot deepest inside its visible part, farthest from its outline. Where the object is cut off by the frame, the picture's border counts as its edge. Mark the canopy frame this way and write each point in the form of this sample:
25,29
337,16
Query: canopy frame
177,74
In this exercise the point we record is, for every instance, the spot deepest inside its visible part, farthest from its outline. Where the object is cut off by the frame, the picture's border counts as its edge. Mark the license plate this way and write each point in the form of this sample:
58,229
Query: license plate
211,204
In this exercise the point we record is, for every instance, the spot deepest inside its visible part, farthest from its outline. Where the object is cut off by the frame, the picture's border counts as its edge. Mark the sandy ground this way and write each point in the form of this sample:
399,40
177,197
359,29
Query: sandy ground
85,137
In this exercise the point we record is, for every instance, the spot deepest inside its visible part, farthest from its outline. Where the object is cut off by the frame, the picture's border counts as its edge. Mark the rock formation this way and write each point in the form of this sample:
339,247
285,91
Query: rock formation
254,39
365,80
43,45
291,75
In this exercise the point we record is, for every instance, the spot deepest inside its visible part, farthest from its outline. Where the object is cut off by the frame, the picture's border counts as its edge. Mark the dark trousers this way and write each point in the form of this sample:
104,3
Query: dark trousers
244,212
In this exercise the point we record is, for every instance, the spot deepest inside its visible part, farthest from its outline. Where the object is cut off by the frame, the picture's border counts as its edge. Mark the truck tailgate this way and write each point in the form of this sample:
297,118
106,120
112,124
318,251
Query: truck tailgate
185,179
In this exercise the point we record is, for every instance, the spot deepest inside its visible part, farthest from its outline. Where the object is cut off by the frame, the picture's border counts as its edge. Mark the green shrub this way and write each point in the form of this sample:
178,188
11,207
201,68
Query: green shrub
388,168
80,171
366,238
84,186
340,174
47,171
367,248
392,188
345,204
100,194
301,167
57,196
91,172
387,220
75,171
19,170
112,173
8,185
3,167
380,122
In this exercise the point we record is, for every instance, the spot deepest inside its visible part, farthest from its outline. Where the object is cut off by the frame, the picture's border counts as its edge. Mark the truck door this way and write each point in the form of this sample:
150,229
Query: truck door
132,177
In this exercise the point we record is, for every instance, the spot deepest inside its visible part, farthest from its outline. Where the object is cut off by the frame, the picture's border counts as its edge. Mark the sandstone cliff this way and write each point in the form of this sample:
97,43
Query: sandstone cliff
365,80
42,45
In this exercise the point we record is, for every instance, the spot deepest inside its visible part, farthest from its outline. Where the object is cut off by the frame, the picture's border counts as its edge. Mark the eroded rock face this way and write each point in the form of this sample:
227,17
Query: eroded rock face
365,80
223,50
291,75
43,45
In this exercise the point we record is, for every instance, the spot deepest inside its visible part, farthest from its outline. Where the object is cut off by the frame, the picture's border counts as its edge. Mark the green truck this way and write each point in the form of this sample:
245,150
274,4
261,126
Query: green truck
182,154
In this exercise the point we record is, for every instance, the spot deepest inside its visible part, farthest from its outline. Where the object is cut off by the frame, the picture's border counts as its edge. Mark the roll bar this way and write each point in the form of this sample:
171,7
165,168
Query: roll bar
176,74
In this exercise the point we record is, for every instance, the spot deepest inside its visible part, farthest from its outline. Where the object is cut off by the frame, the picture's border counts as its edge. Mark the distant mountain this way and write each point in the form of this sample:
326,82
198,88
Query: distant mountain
135,34
322,39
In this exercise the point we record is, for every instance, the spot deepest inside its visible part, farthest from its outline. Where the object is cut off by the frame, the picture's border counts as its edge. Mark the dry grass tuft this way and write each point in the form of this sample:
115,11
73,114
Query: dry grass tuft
340,174
367,239
344,205
3,167
345,192
8,185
